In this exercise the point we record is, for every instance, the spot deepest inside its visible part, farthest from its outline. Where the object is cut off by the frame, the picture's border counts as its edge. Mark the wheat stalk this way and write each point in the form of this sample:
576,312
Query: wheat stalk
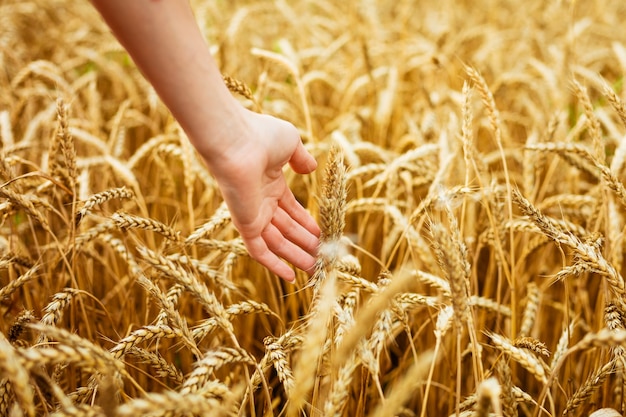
198,266
54,310
312,350
26,204
615,321
168,314
405,386
615,101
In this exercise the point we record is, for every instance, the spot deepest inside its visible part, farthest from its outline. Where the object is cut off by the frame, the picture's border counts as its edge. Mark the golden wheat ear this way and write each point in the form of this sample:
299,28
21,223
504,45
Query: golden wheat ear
239,87
332,215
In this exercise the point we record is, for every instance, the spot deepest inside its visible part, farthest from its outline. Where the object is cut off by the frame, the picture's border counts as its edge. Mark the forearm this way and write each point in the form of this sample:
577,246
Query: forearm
164,41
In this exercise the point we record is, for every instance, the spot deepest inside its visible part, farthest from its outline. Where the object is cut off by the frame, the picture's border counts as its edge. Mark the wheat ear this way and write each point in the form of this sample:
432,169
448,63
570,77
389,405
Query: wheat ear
210,402
532,344
592,384
509,403
144,334
160,366
18,325
615,321
100,198
595,131
127,221
181,276
18,283
220,218
67,143
616,102
12,368
533,296
6,396
72,347
211,362
239,87
332,209
589,256
528,360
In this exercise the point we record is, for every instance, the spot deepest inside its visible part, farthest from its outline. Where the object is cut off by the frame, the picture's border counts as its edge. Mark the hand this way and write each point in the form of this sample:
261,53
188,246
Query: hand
250,175
245,151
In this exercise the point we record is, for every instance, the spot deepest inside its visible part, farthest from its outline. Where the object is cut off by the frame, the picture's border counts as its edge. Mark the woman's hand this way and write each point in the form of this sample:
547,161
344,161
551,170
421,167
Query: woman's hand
249,172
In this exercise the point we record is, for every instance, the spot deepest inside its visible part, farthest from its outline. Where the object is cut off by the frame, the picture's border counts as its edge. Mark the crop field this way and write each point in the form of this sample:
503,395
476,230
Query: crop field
470,192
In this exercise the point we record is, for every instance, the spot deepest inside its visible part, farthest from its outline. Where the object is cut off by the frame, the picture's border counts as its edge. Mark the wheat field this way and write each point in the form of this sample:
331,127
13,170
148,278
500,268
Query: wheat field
470,193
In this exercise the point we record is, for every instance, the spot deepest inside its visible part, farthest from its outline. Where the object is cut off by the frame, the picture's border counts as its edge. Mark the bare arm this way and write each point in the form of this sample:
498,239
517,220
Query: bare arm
245,151
164,41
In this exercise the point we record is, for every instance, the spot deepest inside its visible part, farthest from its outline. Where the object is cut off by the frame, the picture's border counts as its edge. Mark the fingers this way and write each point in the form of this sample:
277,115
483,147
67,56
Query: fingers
292,235
295,232
271,246
299,214
286,249
259,251
302,161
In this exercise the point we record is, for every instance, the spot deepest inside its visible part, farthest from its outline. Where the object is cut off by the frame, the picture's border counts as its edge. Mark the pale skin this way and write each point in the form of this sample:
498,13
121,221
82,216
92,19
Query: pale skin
244,151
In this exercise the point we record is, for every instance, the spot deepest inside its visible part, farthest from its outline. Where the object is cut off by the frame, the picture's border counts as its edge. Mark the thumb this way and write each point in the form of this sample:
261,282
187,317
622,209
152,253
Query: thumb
302,161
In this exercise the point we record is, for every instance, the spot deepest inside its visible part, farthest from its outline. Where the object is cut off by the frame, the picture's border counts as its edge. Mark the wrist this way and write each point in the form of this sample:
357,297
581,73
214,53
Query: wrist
223,137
